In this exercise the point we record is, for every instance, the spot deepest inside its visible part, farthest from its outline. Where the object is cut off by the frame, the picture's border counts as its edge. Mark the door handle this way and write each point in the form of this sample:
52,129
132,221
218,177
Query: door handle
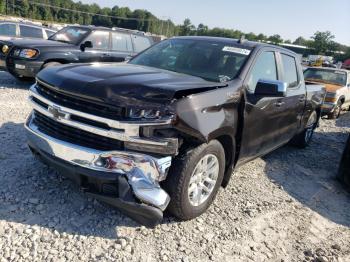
279,103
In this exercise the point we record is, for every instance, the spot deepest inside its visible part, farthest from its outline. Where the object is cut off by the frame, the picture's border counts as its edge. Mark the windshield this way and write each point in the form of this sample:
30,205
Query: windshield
211,60
326,76
71,35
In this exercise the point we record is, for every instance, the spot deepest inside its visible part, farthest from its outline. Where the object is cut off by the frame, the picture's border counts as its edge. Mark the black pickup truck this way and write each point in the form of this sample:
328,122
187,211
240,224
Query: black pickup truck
166,130
24,58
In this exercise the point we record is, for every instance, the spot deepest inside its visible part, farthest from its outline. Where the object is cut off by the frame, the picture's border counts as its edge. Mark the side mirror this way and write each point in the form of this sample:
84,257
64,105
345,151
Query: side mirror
86,44
271,88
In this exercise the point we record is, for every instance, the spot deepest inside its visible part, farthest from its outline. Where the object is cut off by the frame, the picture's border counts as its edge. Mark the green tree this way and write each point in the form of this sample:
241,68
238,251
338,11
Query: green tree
300,41
275,39
187,28
202,29
322,42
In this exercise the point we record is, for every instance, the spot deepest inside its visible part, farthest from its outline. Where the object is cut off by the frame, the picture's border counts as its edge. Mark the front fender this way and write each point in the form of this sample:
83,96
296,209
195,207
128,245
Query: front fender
63,57
209,115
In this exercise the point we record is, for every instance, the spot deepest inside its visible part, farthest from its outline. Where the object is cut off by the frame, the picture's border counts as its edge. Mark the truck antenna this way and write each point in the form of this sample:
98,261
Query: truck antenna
242,39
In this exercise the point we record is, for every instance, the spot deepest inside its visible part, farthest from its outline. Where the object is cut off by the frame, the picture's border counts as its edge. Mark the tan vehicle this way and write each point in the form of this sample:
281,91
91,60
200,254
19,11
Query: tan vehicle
337,83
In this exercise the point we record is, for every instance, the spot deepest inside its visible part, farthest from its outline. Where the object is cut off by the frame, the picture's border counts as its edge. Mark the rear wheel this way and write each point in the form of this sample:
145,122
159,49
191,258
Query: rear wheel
194,180
303,139
336,112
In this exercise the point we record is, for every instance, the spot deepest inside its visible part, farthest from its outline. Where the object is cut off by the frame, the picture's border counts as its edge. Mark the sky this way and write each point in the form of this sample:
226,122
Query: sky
288,18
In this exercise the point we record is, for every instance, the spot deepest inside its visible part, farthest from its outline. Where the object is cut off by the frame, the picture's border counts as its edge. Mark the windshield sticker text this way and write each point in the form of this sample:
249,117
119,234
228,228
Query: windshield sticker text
236,50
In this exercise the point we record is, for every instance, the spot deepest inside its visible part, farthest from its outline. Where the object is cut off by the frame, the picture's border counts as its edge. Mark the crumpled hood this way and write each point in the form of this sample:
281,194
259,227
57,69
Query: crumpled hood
123,84
329,87
332,88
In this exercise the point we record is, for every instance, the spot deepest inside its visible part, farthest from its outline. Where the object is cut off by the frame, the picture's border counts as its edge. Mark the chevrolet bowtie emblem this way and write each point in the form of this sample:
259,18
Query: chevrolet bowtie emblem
56,112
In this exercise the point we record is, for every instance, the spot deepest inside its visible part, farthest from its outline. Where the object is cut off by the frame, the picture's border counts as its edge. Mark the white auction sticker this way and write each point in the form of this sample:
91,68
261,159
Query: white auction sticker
236,50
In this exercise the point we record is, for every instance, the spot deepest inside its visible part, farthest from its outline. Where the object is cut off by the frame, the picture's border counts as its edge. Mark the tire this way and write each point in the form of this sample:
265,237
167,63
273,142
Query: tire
183,203
336,112
304,139
50,64
343,174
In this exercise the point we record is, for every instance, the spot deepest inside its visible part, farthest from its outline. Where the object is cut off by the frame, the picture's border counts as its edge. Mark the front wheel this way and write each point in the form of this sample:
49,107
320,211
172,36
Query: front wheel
194,180
336,112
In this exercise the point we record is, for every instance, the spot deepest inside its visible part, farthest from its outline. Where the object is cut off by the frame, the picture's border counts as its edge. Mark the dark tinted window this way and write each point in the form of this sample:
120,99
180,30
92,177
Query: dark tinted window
29,31
290,70
141,43
8,29
99,40
264,68
121,42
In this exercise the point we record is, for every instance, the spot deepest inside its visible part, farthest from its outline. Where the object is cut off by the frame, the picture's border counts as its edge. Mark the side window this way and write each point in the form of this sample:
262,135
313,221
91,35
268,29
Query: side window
29,31
141,43
121,42
290,70
264,68
99,40
8,29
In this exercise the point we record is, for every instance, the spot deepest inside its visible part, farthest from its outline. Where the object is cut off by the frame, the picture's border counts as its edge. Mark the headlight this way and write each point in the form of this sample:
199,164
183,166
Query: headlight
5,49
138,113
28,53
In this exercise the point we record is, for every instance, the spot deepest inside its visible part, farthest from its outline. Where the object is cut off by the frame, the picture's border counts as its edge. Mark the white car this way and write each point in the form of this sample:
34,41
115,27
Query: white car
10,29
337,83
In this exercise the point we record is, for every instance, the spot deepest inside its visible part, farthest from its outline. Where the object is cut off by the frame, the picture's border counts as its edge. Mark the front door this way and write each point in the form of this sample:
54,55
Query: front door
262,115
100,48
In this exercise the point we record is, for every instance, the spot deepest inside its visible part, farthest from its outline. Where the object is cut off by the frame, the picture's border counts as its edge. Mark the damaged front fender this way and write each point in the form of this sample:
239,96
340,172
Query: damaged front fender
210,114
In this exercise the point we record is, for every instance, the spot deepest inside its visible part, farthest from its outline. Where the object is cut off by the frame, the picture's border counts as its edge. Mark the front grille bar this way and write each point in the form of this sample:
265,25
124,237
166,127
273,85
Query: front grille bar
125,131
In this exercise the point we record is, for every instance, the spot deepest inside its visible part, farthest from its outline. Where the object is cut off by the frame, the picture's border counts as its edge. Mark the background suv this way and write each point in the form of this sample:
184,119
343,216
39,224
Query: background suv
10,29
24,58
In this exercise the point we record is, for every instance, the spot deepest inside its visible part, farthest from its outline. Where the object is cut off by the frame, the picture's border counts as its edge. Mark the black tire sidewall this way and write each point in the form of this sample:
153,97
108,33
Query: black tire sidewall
183,168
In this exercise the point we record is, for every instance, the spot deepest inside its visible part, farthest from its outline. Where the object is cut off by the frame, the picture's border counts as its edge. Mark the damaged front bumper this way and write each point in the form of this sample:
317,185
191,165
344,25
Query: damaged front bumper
134,177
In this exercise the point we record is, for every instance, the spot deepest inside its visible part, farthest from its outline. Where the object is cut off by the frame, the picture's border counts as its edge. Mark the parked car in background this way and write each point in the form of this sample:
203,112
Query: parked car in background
10,29
72,44
166,129
344,169
337,82
346,64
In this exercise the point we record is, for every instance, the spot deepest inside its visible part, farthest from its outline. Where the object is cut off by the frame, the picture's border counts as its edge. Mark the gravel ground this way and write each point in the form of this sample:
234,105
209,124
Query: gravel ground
286,206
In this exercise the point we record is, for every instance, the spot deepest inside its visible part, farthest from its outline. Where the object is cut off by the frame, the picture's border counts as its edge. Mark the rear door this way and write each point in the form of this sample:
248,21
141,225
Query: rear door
121,46
263,116
140,43
27,31
294,102
100,48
